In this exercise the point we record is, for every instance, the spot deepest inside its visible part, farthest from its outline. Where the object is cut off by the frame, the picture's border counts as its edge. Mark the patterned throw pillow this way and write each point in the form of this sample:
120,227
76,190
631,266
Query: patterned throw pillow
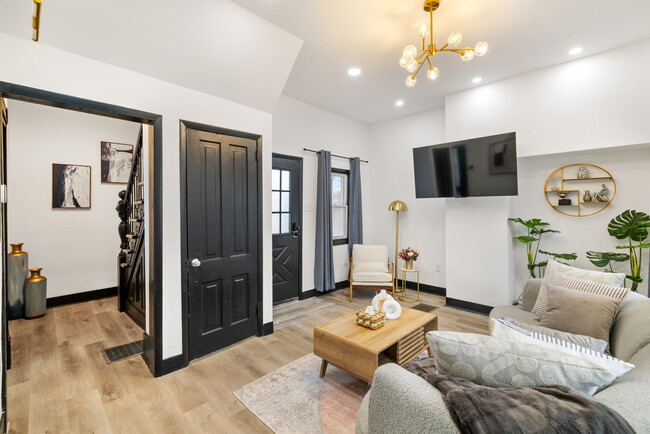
496,362
613,279
559,279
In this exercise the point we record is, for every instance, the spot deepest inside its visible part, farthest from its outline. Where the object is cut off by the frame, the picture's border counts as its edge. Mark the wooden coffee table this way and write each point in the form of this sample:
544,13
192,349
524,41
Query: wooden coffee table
360,351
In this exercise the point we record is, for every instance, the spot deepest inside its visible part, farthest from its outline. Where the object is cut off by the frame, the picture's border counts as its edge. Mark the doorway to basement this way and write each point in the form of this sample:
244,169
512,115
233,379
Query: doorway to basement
53,186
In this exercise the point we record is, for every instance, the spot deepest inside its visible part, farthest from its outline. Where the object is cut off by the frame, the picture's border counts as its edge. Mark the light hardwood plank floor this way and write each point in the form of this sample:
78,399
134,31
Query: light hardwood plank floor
60,381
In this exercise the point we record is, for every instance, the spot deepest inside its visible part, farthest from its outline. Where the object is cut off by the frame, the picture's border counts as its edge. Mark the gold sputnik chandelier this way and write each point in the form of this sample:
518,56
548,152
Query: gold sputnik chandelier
36,19
413,59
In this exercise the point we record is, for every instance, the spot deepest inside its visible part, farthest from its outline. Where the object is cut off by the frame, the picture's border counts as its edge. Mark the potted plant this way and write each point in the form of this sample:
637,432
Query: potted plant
409,256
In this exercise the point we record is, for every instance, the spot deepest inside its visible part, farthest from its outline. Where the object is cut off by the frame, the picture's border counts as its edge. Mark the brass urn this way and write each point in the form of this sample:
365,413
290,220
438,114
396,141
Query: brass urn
35,294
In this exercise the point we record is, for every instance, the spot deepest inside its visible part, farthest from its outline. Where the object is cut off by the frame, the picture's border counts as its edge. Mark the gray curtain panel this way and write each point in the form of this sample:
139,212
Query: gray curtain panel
324,263
355,216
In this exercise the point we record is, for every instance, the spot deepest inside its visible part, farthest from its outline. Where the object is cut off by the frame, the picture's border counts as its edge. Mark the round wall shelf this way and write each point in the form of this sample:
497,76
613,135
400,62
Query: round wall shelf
580,190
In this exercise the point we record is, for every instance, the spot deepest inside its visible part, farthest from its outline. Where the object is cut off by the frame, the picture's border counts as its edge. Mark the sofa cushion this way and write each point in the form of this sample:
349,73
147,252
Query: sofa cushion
630,332
363,267
597,345
371,276
530,294
497,362
579,312
369,254
614,279
628,395
514,312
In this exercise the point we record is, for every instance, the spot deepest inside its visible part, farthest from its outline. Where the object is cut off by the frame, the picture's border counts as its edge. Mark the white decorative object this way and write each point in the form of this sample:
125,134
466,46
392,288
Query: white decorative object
370,310
392,309
377,299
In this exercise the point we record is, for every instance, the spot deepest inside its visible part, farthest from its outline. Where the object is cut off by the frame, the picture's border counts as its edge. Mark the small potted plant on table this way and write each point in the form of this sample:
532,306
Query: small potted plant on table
409,256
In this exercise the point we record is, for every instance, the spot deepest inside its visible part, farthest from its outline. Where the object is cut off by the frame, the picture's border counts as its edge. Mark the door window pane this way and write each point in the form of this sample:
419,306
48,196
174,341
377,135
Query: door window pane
275,223
275,201
286,204
275,179
286,180
286,218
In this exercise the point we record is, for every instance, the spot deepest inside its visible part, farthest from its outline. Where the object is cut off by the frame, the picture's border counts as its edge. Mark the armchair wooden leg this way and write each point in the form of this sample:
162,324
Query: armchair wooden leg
350,292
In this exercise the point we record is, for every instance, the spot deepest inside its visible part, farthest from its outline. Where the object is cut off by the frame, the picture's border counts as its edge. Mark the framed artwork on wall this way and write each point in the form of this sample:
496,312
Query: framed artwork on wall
117,160
70,186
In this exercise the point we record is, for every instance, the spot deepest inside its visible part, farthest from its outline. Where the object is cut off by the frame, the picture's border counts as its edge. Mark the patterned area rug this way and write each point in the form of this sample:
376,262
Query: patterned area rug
294,399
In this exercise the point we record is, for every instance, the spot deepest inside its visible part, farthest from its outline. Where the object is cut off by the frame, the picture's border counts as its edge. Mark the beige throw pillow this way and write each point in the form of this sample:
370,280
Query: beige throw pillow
597,345
579,312
559,279
613,279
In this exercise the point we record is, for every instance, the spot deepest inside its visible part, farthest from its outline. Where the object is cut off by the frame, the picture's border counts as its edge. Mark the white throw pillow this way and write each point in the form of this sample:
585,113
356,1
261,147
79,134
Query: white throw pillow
553,267
497,362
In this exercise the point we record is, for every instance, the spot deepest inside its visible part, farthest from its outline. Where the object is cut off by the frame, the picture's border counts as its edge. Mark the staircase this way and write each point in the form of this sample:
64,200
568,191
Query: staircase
131,259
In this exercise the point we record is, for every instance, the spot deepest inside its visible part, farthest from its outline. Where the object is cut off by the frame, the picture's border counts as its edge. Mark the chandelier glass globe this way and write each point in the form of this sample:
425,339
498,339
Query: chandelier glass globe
423,30
410,51
403,61
411,80
412,66
454,39
481,48
433,73
467,55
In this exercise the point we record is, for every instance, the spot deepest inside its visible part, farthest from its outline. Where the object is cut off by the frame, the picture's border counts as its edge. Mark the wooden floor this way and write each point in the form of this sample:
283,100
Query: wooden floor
60,381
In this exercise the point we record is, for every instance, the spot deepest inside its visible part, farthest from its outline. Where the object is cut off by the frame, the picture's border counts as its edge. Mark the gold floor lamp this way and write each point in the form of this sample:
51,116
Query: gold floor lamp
397,206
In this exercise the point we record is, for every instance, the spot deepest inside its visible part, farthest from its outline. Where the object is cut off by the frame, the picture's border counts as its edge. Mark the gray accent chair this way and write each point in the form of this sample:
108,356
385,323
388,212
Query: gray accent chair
399,401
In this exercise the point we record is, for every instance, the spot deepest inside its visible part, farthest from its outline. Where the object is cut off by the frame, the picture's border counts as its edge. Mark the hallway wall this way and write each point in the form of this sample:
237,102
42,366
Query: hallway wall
76,248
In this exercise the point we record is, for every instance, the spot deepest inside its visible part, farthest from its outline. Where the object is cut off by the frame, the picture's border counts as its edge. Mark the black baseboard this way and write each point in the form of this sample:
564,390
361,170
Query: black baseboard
431,289
313,293
82,296
469,306
172,364
267,329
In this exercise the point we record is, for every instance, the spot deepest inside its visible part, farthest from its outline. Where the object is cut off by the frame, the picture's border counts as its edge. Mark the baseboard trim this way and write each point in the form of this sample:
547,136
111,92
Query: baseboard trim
431,289
82,296
313,293
469,306
172,364
267,329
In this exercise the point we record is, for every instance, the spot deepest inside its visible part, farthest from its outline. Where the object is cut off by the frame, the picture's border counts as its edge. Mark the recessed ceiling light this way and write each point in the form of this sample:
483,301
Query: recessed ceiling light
477,80
399,103
354,72
575,50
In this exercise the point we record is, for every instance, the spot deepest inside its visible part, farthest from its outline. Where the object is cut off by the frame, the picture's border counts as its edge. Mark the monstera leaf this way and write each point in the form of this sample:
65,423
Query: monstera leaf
603,259
630,224
532,223
565,256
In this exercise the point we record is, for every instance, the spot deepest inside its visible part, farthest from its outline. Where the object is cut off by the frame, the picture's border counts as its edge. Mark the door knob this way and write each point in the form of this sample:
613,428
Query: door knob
195,263
295,230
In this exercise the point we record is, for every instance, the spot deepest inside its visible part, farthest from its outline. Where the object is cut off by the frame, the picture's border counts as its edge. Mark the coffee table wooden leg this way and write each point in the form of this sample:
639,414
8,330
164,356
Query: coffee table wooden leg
323,368
429,351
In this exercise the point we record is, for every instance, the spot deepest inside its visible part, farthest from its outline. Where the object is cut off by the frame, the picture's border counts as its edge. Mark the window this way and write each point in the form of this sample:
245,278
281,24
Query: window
340,206
281,202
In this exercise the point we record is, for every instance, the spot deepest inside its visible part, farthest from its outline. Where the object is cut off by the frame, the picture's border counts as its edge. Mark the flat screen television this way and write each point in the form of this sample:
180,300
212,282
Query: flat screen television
485,166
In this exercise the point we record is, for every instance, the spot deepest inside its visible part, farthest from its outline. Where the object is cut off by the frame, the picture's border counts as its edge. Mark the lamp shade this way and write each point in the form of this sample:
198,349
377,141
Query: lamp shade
397,205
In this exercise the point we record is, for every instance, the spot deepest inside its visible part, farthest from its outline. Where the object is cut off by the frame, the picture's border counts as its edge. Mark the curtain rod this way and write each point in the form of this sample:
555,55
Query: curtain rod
333,155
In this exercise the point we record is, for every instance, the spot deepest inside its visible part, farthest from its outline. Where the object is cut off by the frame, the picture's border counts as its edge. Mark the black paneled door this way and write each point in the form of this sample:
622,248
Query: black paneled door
286,221
222,240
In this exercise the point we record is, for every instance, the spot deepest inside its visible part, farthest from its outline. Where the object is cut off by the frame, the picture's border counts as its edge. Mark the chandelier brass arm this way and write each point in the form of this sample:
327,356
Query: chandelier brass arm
413,59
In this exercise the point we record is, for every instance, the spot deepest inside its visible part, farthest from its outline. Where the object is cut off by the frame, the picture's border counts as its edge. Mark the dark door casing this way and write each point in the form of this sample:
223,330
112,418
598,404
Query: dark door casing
286,207
222,240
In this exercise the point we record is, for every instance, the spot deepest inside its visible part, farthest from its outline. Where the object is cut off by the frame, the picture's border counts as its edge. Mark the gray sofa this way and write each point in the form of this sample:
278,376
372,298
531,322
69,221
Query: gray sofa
399,401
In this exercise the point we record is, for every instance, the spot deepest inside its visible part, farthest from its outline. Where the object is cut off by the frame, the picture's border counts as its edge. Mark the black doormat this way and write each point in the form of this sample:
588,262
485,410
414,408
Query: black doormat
122,352
424,307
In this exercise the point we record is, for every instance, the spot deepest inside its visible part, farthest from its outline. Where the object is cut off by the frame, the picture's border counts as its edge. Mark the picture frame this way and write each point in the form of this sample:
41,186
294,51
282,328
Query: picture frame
71,186
116,162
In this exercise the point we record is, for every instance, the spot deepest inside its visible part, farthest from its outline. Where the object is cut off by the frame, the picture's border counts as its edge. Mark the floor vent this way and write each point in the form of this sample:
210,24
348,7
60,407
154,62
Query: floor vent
122,352
424,307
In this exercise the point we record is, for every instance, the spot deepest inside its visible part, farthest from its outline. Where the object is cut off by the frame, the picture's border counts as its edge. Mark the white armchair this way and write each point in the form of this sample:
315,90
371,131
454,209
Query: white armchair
371,269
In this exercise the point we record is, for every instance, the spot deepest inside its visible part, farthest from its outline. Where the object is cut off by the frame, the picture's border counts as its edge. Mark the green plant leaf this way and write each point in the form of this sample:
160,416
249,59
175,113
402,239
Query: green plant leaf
565,256
532,223
629,224
525,239
602,259
637,279
542,264
543,231
641,246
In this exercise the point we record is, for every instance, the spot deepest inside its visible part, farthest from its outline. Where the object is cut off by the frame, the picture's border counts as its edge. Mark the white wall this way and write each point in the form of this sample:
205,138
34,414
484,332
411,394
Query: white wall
422,227
297,125
40,66
77,249
590,103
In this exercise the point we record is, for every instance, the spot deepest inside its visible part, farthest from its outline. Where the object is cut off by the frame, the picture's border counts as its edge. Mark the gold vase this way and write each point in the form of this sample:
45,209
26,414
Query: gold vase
408,265
35,294
17,261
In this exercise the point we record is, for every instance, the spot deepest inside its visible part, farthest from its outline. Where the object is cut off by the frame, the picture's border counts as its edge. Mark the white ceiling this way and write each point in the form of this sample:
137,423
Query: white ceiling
214,46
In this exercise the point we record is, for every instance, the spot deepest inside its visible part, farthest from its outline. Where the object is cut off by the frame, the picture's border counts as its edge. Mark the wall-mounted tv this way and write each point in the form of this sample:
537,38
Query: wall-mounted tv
485,166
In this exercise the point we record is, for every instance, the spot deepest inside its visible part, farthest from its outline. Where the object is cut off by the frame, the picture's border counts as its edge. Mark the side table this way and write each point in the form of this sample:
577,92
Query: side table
403,297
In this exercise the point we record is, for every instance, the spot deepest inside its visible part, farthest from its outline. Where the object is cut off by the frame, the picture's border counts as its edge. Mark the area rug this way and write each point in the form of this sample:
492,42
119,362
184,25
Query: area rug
294,399
424,307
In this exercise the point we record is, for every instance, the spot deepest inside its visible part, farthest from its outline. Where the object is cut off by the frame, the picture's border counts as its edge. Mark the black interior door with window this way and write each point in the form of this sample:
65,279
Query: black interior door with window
222,240
286,222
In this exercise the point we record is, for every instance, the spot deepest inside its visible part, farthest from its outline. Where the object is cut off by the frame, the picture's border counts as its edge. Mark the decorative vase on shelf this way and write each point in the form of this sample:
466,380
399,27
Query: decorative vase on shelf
587,197
408,265
17,261
35,294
